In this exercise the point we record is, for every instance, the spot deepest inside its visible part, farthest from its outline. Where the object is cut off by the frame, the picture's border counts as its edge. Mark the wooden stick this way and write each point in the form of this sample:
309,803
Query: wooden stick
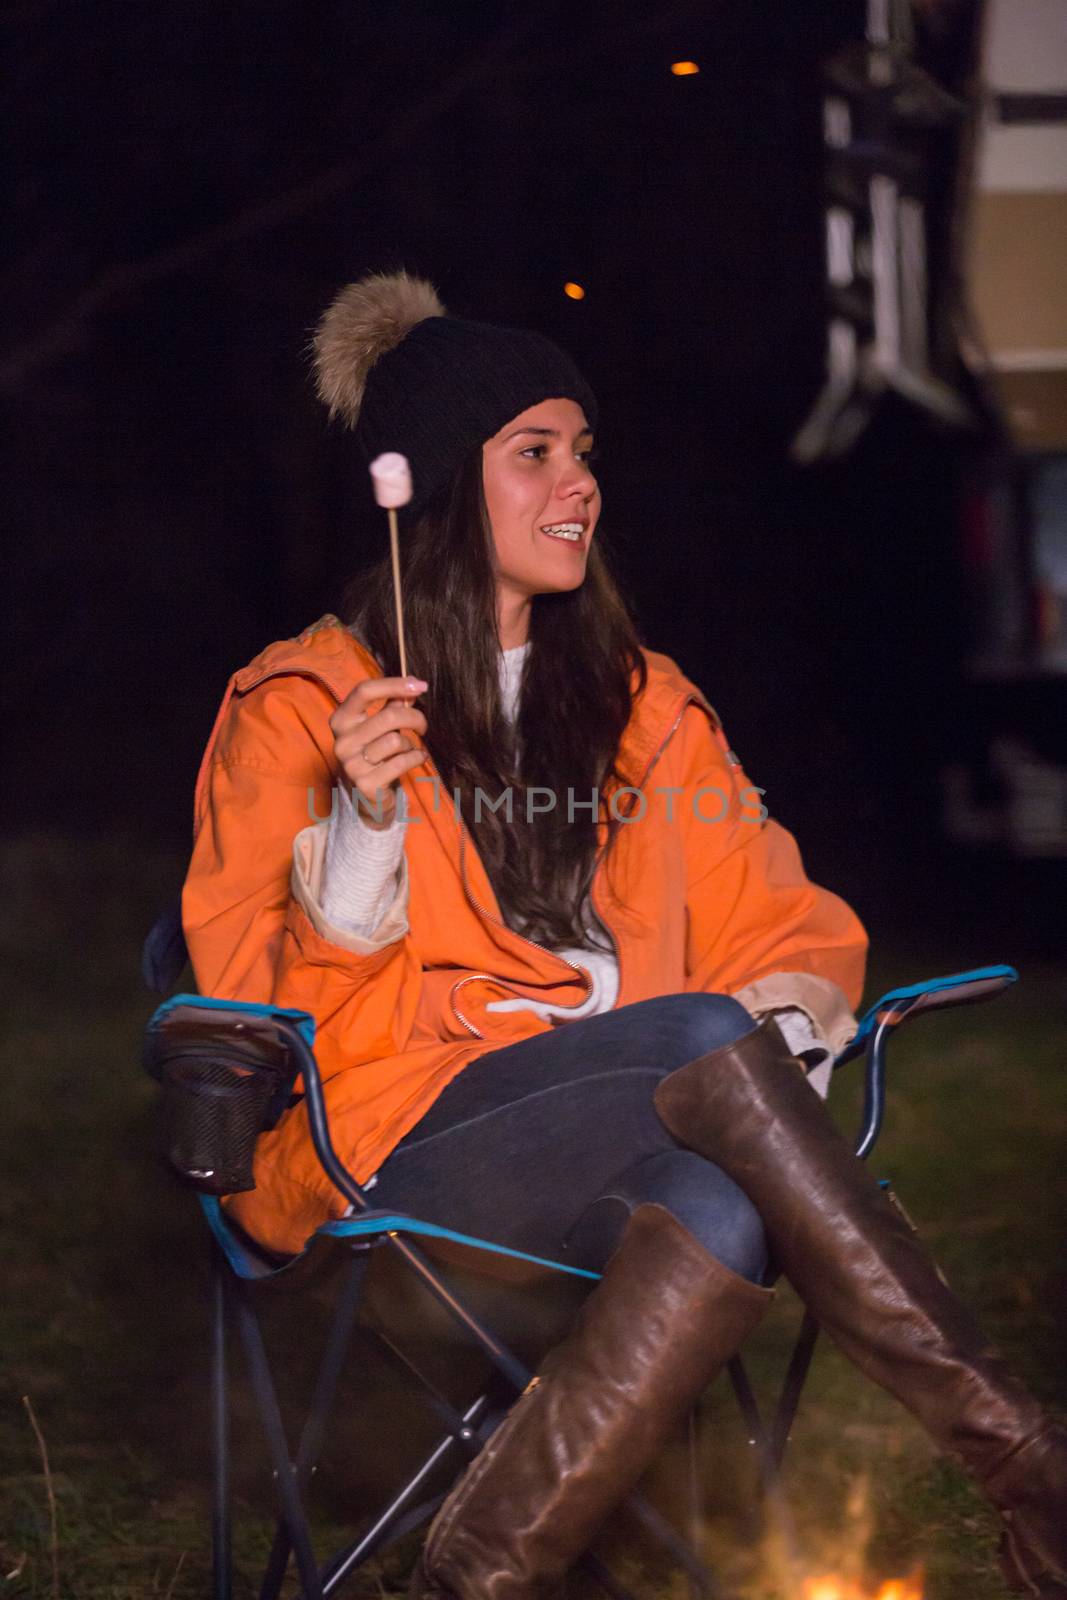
398,601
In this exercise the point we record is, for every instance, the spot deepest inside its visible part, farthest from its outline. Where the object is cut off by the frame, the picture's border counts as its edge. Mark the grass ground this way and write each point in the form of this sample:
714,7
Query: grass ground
101,1325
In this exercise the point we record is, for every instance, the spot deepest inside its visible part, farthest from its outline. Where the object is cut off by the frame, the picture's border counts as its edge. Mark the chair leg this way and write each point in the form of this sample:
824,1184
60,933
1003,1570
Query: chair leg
400,1512
769,1476
793,1386
337,1344
221,1522
284,1471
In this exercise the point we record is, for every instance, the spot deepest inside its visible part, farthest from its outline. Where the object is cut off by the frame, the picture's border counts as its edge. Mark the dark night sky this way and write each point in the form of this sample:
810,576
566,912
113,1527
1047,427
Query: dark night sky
192,185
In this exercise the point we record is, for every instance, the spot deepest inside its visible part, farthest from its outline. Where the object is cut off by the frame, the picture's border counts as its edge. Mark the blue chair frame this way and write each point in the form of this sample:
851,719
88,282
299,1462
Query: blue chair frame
236,1266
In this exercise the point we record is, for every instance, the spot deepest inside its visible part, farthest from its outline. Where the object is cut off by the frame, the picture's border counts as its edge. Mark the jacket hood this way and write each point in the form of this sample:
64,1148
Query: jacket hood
330,652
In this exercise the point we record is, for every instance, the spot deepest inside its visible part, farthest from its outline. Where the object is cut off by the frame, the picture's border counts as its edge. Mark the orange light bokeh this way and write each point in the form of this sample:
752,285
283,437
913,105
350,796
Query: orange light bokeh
574,291
843,1589
684,69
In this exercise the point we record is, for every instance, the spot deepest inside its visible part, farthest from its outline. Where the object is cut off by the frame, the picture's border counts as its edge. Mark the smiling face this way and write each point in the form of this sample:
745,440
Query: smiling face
543,505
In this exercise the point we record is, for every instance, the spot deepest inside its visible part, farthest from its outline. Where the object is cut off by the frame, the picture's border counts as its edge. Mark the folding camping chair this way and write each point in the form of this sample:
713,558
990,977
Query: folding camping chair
228,1071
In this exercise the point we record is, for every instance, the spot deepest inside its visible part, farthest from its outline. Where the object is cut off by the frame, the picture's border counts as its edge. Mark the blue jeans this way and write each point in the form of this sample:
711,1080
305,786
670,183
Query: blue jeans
548,1145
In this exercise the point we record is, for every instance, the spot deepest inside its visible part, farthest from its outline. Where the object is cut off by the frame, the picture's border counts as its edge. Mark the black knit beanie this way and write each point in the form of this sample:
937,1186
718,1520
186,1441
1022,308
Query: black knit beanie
406,376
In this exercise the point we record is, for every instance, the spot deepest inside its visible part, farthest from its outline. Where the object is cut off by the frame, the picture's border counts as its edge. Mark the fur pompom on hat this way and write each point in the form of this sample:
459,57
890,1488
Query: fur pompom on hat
406,376
366,320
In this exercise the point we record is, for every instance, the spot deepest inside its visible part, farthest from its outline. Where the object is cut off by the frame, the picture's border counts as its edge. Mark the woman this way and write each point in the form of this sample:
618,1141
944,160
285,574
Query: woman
568,976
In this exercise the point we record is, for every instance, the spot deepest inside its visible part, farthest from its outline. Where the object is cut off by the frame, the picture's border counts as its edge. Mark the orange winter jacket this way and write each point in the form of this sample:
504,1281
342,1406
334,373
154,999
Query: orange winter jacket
700,892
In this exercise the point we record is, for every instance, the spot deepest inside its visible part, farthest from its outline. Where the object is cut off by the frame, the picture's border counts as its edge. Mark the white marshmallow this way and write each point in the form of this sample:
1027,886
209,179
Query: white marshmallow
391,476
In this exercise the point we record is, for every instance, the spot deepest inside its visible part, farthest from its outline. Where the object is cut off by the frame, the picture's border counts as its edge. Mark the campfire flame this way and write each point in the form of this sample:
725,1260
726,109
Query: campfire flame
839,1571
831,1588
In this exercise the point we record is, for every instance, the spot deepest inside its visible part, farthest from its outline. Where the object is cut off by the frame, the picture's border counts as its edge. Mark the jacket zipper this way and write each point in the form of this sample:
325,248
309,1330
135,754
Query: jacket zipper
653,758
583,975
472,977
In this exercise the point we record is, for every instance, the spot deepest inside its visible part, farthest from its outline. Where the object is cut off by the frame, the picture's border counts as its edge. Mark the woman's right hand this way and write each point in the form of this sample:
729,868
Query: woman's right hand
370,745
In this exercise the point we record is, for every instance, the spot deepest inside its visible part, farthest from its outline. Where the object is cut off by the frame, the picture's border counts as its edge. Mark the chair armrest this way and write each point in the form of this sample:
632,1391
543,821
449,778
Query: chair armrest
877,1024
897,1005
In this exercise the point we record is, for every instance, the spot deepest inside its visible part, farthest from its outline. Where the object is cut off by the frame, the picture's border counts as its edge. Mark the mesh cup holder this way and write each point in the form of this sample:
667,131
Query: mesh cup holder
213,1112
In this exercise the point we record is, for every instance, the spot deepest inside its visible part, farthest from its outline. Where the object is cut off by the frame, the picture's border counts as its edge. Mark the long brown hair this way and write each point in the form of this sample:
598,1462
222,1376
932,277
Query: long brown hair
582,670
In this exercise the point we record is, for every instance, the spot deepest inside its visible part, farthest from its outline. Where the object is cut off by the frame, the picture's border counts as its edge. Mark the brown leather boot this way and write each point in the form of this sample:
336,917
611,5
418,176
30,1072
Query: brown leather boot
863,1273
658,1326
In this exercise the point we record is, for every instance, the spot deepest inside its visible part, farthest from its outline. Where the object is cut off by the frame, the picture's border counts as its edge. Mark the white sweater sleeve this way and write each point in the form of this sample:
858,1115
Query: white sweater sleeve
808,1045
362,877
